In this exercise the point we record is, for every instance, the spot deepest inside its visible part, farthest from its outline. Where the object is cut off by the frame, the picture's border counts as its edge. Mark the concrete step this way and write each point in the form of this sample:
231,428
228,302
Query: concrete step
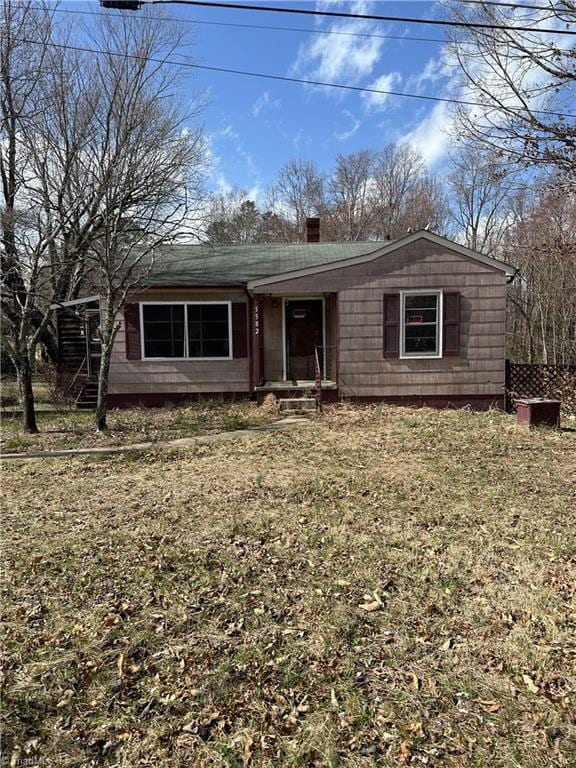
297,403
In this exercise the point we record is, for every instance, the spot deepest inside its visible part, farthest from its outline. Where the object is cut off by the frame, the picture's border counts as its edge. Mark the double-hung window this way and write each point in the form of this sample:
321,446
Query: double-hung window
420,324
188,331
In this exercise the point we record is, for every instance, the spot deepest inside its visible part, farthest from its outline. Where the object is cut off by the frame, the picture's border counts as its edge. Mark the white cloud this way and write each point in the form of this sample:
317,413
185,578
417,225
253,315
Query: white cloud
300,139
349,132
222,184
375,101
229,133
435,69
264,101
339,57
430,137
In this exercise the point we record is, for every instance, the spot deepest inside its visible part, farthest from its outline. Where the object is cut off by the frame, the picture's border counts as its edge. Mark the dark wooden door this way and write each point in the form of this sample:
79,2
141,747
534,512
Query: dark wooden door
304,332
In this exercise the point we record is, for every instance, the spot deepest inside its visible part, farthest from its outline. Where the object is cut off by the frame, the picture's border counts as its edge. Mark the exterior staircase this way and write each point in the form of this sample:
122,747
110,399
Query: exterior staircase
87,396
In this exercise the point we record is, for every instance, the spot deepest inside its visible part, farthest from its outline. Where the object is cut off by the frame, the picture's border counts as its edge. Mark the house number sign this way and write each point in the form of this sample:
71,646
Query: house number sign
257,318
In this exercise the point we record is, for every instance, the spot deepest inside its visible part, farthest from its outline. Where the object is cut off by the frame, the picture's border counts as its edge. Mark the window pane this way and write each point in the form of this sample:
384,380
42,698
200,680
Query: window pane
194,331
156,312
420,315
208,330
421,345
421,324
163,330
215,312
215,330
424,331
158,349
421,301
215,348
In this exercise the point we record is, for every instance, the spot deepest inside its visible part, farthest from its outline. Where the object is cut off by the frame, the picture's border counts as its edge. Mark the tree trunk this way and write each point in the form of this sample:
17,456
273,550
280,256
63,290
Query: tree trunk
27,396
101,402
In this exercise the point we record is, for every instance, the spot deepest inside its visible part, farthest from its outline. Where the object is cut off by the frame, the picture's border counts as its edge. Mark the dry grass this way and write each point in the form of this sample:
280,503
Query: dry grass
379,587
75,429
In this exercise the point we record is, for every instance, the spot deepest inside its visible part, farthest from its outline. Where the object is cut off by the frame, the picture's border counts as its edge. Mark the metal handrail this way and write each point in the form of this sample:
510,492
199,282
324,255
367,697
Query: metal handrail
318,379
78,372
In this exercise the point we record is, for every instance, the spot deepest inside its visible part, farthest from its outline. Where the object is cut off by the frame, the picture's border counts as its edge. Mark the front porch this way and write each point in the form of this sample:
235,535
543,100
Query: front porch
292,336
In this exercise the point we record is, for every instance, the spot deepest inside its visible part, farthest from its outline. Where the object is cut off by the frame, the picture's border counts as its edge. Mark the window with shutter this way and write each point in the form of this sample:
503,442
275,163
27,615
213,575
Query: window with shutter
420,326
189,331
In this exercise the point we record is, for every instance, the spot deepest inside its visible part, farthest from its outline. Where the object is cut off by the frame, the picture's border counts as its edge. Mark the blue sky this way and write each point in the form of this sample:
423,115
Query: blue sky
254,126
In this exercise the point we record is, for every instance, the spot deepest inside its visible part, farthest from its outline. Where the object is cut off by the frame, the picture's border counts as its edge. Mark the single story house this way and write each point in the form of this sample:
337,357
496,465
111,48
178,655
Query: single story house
419,320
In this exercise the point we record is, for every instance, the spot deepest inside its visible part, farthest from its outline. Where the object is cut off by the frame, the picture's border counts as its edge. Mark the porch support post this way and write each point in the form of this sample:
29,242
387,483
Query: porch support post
258,340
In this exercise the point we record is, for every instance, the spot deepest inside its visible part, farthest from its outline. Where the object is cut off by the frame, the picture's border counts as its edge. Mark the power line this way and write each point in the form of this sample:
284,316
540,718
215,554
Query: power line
366,17
253,26
306,30
512,5
283,78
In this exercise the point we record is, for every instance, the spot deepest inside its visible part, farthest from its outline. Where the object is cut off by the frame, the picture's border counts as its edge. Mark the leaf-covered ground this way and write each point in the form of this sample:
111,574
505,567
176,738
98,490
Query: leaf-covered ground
377,587
75,429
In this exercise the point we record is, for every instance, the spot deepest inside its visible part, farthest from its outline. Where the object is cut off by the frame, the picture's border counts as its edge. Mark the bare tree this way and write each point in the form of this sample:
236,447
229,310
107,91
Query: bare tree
352,195
147,162
29,262
482,185
99,164
397,171
541,244
297,192
426,206
234,218
517,77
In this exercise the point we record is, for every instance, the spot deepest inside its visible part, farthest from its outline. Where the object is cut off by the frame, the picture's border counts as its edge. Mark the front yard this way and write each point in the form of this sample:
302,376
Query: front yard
75,429
379,586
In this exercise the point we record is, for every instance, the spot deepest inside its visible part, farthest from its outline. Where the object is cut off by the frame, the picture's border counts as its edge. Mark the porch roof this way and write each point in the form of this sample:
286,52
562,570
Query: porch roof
239,264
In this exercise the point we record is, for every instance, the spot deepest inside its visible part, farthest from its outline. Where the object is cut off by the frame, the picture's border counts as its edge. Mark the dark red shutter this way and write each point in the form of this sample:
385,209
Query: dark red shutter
132,329
239,329
451,323
391,330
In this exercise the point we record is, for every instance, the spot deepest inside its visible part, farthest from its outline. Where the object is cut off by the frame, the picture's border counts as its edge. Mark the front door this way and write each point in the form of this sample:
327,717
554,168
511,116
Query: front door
304,324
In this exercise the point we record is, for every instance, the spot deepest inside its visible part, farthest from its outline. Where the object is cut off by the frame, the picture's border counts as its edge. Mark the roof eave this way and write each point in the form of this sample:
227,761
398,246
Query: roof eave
382,251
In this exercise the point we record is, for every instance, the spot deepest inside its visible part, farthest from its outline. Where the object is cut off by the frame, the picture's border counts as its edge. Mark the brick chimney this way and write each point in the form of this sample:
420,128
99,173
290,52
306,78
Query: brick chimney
313,230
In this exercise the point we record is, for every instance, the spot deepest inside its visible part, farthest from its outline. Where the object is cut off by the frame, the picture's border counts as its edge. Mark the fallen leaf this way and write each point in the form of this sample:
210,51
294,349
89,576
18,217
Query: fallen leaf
489,705
333,699
373,606
248,751
530,684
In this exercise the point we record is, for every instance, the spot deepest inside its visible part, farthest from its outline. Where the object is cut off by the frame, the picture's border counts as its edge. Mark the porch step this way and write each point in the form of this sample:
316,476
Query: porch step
297,403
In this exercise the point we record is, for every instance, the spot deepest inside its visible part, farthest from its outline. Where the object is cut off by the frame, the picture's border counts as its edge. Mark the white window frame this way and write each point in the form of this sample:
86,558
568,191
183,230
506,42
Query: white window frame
420,355
142,304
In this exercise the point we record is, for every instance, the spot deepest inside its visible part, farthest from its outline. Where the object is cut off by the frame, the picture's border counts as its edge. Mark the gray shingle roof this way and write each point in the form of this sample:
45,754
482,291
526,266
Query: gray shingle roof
237,264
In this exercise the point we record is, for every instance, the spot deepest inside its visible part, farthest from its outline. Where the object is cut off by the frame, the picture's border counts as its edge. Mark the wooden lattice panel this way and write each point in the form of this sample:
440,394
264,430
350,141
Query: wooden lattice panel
524,380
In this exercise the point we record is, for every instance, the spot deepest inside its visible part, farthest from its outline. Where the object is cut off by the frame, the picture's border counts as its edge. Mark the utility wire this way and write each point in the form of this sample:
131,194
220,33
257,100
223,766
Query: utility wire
266,27
282,78
366,17
514,5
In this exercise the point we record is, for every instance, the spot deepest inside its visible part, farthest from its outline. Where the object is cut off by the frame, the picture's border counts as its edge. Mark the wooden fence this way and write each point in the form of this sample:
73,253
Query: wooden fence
537,380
